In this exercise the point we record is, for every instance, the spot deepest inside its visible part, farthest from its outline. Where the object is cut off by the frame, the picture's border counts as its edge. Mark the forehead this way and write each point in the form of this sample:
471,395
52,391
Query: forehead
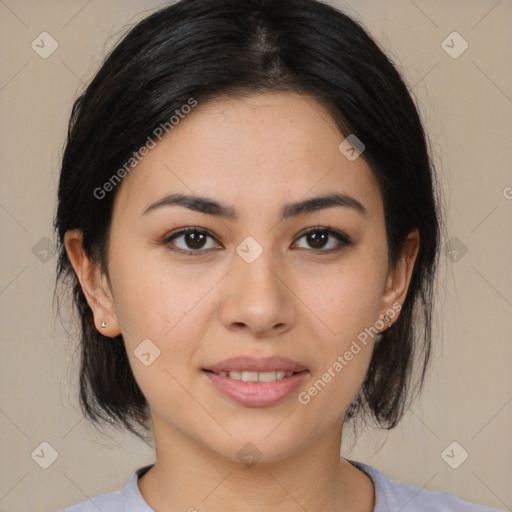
263,149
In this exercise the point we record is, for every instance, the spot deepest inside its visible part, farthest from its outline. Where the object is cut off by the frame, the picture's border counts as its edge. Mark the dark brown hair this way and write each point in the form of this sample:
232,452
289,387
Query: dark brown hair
204,49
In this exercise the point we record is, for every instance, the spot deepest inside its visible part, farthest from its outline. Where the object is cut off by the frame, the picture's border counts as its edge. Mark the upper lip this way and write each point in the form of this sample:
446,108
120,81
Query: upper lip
256,364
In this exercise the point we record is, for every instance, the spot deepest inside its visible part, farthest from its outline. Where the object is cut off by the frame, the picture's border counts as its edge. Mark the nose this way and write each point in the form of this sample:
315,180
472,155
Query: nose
258,298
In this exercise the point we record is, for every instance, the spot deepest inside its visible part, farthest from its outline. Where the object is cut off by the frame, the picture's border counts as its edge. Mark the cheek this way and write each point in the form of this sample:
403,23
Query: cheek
344,349
348,307
159,315
152,295
168,316
348,301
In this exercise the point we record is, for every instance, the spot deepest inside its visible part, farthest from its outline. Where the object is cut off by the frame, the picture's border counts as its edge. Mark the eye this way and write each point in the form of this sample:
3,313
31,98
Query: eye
192,240
318,237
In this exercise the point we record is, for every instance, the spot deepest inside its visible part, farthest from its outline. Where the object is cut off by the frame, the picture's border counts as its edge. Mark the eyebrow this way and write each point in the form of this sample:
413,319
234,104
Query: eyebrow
212,207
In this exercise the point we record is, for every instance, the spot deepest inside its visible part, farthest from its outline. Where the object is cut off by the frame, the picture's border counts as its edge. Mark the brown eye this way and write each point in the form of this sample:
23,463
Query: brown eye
194,241
191,240
319,238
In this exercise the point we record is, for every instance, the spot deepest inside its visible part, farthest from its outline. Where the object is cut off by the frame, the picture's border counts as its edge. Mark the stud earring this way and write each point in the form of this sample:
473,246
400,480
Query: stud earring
387,319
103,324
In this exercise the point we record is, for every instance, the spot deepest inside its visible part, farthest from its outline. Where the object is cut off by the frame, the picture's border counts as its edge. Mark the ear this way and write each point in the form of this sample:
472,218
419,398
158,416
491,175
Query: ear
399,278
94,284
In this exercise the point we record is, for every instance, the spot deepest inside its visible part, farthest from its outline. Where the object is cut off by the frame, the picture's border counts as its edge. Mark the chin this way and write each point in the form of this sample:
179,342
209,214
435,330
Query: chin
265,442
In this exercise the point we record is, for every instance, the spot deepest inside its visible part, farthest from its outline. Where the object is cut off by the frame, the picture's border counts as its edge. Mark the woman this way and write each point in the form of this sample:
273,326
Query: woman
248,215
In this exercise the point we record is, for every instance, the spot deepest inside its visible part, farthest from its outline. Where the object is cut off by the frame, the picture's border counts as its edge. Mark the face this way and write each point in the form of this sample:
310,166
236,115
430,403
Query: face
256,287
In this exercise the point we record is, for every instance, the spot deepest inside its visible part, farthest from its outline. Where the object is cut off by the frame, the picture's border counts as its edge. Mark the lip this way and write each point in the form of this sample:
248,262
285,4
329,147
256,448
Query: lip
257,364
256,394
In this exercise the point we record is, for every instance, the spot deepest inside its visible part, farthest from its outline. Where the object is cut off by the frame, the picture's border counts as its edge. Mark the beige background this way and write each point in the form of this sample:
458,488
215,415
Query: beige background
467,106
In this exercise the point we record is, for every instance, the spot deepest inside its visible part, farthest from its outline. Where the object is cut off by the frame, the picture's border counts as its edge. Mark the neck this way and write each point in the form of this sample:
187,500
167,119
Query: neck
189,476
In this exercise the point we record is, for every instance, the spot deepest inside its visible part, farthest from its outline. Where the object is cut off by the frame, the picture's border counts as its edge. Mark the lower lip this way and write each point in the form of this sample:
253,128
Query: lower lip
257,394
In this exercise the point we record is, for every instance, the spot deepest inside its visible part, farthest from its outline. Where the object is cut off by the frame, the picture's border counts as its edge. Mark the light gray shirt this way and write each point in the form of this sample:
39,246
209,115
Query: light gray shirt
390,496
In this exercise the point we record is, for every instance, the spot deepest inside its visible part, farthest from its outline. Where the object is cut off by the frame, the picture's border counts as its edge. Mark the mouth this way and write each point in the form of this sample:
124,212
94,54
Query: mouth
256,382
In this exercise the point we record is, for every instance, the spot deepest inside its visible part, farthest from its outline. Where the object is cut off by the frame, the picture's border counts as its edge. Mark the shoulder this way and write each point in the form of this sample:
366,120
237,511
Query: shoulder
127,499
391,495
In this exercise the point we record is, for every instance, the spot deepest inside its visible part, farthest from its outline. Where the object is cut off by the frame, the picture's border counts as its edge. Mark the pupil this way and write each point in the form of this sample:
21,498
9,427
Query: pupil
317,239
195,237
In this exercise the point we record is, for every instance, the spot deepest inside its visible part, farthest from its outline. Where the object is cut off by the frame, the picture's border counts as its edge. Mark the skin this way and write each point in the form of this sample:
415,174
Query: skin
255,154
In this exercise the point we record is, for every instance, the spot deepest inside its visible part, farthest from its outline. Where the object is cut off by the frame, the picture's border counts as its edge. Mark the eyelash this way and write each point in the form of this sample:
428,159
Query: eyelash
342,238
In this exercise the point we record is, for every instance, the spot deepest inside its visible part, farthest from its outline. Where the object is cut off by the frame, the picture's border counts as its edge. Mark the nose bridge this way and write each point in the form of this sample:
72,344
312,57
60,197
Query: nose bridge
257,295
257,269
260,274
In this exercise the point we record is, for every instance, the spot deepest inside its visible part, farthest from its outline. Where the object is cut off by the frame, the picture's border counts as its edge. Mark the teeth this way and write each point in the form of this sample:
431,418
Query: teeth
267,376
250,376
256,376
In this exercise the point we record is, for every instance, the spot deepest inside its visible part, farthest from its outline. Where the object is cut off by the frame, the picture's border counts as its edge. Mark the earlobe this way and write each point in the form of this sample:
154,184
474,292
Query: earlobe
399,278
93,285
